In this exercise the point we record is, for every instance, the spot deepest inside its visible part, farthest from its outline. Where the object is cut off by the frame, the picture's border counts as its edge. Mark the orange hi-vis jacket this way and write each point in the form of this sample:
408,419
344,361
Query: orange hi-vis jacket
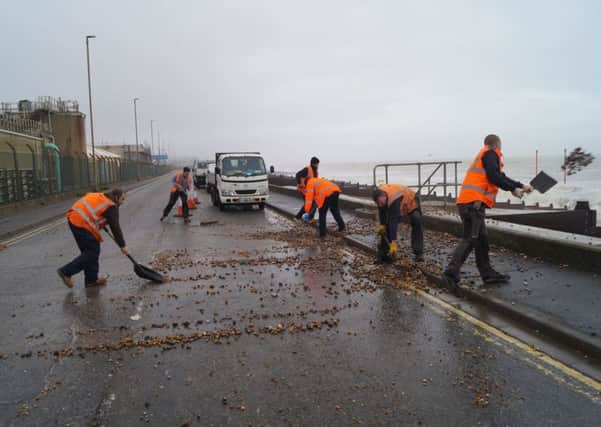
476,187
302,187
181,180
396,191
318,189
87,213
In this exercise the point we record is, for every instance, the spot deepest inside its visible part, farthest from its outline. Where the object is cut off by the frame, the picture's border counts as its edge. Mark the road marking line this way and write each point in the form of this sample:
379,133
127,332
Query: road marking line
568,381
49,226
31,233
527,348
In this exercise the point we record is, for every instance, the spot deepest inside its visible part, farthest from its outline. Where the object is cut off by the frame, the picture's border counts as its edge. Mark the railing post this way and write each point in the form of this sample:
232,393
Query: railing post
419,178
444,184
386,173
456,183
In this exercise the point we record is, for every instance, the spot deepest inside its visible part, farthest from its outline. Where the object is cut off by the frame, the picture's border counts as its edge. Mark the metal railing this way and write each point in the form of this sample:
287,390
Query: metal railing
426,184
17,124
46,103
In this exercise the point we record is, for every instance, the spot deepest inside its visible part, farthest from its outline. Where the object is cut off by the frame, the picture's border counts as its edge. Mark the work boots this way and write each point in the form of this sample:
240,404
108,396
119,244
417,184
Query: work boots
451,285
67,280
494,277
101,281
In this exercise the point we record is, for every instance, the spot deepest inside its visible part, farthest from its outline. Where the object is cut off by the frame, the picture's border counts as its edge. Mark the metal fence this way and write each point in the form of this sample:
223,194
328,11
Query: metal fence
23,178
443,175
18,124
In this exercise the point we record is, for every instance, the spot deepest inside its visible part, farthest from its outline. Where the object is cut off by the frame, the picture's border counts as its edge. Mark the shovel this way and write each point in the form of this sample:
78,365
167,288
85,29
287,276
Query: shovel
141,270
542,182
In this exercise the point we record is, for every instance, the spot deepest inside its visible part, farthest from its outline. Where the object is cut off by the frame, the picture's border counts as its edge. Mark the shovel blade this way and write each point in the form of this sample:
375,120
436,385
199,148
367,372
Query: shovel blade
542,182
147,273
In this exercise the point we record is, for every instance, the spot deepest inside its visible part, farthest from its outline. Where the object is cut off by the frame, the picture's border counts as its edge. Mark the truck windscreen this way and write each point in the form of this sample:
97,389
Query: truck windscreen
243,166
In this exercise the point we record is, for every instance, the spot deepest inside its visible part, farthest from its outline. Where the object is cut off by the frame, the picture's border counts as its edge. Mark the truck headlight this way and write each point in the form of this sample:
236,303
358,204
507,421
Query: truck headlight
228,193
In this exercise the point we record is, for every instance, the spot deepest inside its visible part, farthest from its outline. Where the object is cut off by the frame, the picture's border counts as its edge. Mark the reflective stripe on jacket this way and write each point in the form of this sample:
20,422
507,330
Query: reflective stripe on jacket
476,187
318,189
395,192
181,180
87,213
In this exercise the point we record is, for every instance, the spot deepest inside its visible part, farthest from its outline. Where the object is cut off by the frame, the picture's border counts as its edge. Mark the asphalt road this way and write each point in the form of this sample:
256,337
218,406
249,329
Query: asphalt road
261,323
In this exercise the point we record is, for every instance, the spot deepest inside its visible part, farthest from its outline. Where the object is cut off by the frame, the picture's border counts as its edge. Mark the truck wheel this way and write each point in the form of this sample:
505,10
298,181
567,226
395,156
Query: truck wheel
214,198
221,205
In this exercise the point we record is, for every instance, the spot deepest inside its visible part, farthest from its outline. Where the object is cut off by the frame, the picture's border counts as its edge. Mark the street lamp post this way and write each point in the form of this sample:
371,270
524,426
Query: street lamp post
151,139
137,145
159,144
94,179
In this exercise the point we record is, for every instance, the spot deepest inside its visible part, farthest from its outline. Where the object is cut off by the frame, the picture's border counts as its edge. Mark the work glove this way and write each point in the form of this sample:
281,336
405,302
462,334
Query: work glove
527,188
392,249
518,192
381,230
306,218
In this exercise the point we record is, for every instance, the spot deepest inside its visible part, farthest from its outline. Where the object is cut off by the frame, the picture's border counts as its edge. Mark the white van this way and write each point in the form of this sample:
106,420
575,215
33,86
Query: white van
199,172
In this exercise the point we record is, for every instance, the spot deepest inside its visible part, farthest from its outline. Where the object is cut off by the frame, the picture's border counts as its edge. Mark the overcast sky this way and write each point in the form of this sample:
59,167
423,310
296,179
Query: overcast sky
346,81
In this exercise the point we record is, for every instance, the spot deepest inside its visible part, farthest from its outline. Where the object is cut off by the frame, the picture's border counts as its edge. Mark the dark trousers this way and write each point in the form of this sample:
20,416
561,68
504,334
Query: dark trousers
301,211
331,203
88,259
417,236
173,198
474,237
417,232
383,250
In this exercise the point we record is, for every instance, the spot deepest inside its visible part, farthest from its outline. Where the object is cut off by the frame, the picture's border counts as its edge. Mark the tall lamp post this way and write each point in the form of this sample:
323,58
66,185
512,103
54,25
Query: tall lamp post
159,144
137,145
151,140
94,179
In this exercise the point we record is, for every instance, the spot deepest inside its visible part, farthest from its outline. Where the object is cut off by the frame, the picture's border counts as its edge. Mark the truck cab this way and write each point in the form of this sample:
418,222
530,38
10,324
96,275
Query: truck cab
238,179
199,172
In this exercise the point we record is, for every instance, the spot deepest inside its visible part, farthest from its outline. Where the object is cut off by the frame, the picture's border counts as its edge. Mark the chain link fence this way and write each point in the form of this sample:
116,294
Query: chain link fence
26,176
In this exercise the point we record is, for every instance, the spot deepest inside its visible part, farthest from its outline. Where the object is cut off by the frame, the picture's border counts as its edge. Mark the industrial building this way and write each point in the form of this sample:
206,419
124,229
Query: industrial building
43,151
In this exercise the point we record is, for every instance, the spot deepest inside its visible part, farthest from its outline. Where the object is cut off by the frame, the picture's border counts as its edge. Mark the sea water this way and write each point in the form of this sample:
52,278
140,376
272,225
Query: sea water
582,186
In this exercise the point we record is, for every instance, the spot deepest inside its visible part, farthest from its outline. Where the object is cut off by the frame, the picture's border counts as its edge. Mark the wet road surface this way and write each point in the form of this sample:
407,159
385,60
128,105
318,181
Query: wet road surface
565,295
261,323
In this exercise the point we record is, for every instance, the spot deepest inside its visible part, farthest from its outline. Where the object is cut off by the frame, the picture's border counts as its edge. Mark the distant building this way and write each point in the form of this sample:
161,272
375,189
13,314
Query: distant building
53,119
127,151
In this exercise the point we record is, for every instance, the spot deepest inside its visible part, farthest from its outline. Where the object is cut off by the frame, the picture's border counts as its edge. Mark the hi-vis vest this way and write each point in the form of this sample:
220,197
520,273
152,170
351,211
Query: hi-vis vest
318,189
395,192
181,180
302,187
87,213
476,186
